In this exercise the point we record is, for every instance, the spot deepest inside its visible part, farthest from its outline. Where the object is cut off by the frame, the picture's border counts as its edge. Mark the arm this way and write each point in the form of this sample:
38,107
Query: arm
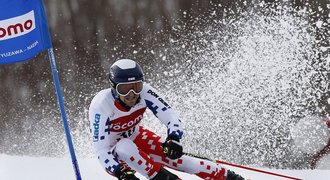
161,109
101,140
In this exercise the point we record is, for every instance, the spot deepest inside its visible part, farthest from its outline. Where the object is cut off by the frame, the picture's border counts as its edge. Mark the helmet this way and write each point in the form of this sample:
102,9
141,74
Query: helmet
125,71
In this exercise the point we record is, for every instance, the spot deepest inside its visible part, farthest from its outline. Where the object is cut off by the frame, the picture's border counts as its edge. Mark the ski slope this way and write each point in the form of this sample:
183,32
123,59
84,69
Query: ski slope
45,168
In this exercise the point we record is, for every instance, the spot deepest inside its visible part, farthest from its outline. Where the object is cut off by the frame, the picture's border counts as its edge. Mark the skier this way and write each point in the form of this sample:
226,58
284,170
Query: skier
124,147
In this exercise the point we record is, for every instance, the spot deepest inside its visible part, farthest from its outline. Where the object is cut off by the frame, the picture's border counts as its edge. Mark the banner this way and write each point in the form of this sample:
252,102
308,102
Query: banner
23,30
23,34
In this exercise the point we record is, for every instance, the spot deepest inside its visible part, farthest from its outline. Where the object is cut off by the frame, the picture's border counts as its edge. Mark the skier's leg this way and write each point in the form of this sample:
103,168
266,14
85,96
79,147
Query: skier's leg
150,143
127,151
202,168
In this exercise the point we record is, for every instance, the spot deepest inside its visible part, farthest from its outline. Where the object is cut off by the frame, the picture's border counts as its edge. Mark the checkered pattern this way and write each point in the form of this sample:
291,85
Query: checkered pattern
211,171
145,156
149,143
112,169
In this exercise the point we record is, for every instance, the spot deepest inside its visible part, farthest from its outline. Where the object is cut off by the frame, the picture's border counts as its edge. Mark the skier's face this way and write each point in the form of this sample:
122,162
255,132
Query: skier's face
129,92
130,99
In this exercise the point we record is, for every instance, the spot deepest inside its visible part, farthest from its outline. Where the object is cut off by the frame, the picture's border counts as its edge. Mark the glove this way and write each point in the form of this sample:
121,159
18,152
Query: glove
172,147
125,173
232,176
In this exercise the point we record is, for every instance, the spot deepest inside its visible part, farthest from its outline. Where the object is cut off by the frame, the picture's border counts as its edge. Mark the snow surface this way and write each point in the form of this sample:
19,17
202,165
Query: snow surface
45,168
247,75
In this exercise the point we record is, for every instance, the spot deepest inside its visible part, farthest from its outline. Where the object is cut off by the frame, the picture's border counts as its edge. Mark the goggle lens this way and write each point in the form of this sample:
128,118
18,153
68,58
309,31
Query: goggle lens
124,89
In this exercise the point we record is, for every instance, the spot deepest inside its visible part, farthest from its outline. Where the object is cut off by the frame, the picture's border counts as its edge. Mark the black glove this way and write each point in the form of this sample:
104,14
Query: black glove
125,173
172,147
232,176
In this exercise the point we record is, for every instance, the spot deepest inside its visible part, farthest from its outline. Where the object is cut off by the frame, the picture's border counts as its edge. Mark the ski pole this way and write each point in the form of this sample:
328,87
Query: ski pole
63,114
240,166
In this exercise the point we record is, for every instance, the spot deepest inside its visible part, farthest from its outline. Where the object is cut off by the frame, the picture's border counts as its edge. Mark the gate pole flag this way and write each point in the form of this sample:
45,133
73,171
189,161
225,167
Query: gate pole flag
23,34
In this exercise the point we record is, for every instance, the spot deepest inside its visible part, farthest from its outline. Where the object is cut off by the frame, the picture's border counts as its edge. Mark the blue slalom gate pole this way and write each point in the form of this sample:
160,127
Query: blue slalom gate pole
63,114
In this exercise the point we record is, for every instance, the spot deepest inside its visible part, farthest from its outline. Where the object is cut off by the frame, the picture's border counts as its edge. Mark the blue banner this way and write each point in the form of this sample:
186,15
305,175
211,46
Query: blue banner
23,30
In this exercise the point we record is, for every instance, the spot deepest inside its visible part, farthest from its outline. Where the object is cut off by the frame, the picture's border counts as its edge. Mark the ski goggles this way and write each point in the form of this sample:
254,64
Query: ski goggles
124,89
